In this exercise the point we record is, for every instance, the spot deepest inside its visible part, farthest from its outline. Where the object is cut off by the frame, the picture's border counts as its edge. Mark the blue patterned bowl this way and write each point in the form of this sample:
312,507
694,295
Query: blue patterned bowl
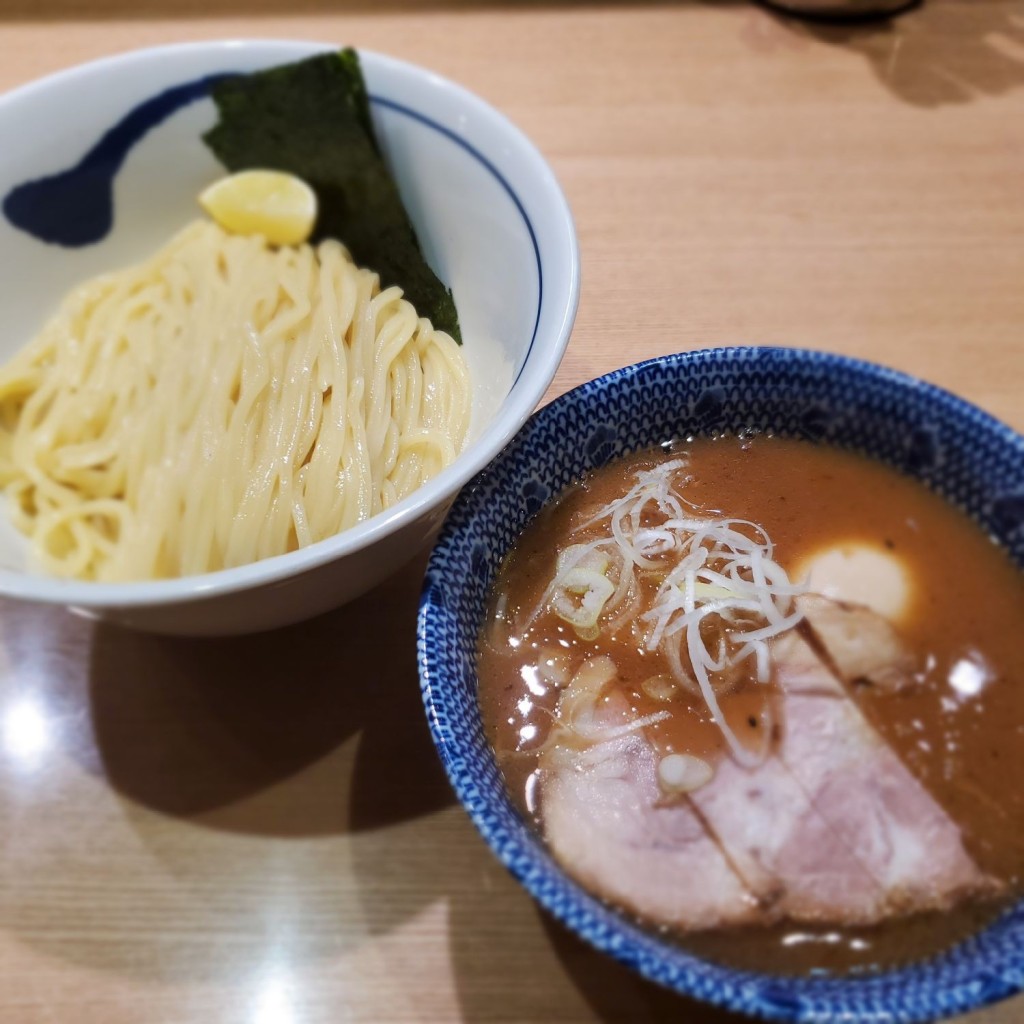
959,451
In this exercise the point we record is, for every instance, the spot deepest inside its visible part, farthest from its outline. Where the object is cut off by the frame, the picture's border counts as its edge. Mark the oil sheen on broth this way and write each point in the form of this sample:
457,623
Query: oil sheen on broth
849,800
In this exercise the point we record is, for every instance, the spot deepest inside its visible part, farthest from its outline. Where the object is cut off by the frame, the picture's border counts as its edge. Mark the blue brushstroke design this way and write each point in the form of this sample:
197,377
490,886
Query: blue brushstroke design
75,208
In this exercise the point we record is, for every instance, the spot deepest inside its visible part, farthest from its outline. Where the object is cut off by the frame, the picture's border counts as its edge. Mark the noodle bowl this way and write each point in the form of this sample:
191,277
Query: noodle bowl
222,403
486,208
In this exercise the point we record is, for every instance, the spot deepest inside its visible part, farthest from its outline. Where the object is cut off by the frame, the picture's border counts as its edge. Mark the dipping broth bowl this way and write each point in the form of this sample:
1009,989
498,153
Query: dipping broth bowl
957,450
120,140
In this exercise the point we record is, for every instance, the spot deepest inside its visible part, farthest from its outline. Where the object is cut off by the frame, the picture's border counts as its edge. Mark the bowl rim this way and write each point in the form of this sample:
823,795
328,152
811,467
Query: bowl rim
534,375
756,993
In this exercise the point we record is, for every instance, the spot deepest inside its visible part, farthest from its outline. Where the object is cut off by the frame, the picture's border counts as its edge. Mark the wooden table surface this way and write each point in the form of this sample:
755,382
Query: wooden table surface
258,830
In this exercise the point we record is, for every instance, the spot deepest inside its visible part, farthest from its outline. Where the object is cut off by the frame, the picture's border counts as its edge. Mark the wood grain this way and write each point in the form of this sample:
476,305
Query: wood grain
258,830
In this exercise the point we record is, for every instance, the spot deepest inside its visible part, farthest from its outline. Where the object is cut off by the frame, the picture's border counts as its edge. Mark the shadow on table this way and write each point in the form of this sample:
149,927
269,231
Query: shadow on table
945,51
212,729
249,769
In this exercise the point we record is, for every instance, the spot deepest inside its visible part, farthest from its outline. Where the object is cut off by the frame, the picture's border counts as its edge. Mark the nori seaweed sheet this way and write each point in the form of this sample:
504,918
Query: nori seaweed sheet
312,119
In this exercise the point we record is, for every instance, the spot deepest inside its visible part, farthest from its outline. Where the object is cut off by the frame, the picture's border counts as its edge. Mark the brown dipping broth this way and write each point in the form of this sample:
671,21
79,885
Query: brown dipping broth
965,744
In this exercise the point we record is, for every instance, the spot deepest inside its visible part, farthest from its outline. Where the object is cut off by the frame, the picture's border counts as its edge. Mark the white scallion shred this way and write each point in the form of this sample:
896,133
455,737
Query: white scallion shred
660,687
683,773
721,597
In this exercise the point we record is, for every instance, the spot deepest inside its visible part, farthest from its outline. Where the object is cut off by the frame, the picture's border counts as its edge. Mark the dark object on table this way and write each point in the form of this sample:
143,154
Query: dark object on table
840,11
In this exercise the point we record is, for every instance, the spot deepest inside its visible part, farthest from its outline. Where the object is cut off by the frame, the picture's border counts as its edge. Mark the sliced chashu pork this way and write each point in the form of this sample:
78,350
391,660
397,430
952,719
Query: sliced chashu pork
746,847
783,848
860,645
831,826
605,820
855,780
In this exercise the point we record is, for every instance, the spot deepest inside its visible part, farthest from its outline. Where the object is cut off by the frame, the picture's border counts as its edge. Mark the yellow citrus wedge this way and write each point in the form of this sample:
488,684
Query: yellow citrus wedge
276,205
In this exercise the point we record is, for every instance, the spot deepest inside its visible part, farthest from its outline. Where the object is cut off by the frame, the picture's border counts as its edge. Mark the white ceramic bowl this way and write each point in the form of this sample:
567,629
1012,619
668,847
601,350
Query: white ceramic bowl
489,213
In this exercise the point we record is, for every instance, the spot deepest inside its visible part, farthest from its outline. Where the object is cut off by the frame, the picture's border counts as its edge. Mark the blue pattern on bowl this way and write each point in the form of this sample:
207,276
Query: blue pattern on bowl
957,450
